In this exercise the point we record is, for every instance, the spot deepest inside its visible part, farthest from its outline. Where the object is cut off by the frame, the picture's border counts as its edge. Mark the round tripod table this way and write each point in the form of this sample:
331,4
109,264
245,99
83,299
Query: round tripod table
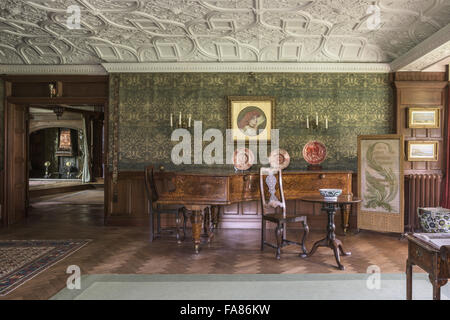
330,241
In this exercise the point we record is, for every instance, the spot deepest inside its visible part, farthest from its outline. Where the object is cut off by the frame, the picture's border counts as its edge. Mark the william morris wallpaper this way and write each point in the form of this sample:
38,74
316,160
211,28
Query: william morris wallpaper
141,104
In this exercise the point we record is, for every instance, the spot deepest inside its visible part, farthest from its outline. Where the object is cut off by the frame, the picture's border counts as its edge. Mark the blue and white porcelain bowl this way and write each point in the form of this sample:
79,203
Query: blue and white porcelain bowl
434,220
330,194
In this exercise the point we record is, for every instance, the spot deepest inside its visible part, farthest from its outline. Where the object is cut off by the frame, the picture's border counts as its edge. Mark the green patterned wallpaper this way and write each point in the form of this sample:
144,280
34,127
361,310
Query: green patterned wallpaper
354,103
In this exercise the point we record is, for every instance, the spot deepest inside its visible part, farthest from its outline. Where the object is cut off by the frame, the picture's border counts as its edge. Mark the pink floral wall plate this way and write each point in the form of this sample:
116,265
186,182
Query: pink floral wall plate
279,159
314,152
243,159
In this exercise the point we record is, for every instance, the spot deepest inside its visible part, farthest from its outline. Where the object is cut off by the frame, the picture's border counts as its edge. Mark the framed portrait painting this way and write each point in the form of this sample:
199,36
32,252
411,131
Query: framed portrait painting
380,183
423,118
251,117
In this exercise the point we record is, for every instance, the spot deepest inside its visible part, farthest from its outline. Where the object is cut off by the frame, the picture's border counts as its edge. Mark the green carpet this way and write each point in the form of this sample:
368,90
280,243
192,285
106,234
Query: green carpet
247,287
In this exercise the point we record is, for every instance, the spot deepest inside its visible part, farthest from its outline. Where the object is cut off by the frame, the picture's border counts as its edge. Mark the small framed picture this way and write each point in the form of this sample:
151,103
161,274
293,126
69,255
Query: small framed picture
423,117
423,150
250,117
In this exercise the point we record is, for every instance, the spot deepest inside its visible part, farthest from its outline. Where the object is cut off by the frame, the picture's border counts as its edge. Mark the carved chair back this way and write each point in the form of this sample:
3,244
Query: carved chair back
271,190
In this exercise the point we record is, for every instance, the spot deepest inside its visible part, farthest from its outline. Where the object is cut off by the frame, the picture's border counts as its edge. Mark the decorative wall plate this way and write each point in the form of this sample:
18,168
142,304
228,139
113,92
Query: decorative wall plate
314,152
279,158
243,159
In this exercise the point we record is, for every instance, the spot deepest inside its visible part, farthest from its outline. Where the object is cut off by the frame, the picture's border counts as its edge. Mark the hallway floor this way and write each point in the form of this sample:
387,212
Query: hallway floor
127,250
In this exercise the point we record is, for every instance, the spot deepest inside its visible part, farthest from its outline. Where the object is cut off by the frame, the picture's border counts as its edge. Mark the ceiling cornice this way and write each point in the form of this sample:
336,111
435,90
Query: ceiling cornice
422,55
52,69
247,67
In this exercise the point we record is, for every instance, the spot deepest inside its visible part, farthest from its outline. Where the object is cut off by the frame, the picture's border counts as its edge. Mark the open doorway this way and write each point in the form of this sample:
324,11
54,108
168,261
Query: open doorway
65,162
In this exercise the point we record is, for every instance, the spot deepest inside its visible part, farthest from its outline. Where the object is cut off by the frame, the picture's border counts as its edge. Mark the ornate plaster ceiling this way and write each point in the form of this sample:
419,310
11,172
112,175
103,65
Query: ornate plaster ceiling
112,31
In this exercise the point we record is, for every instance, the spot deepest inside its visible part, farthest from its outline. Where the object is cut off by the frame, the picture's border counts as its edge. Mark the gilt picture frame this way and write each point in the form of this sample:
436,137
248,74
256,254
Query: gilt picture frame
251,117
422,151
381,183
423,118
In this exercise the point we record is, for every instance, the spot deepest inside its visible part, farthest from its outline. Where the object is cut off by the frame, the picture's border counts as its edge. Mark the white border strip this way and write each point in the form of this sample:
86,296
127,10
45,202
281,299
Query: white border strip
12,69
223,67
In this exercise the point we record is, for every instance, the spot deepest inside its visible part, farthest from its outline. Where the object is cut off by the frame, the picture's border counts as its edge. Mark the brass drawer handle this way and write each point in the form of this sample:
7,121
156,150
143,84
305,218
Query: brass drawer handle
322,176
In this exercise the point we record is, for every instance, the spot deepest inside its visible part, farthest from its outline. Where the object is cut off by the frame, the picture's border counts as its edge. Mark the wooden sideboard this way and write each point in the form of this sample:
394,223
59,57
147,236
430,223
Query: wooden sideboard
237,194
223,187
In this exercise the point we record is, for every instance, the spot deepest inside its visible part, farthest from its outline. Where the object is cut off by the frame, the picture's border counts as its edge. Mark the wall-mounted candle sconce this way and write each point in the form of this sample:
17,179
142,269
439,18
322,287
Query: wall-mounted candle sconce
181,121
314,124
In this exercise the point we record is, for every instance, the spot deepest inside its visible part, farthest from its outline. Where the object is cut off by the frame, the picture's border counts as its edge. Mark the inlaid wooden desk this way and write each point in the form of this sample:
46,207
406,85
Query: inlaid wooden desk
436,262
205,189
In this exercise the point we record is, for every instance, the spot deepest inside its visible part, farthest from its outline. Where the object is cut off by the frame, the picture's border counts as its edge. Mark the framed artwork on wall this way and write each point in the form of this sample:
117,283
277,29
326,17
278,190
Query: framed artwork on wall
423,150
380,183
65,143
251,117
423,118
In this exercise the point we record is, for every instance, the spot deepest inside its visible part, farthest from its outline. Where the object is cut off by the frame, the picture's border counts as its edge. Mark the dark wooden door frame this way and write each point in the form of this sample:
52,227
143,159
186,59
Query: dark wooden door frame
61,100
8,172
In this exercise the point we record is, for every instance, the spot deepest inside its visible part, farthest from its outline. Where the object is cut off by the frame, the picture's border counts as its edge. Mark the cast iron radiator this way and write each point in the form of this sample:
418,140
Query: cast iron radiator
421,190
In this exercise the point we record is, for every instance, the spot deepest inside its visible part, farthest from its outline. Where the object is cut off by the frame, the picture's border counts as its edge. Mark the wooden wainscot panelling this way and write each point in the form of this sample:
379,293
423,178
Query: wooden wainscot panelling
420,76
130,205
421,90
421,94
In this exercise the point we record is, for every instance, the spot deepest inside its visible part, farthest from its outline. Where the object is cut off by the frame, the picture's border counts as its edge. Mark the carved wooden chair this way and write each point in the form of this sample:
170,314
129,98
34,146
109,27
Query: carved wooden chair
274,210
156,209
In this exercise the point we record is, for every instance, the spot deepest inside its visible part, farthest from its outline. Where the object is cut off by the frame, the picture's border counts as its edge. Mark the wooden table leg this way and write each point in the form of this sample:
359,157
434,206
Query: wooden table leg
437,284
208,224
409,267
436,289
345,211
196,222
151,220
178,224
330,241
321,243
215,211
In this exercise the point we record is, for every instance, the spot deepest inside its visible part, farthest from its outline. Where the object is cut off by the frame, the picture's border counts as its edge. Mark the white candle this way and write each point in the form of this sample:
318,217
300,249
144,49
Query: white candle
179,121
189,125
317,119
171,120
326,122
307,122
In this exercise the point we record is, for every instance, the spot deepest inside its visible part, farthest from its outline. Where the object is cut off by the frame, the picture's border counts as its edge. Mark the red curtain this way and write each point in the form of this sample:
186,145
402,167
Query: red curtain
446,190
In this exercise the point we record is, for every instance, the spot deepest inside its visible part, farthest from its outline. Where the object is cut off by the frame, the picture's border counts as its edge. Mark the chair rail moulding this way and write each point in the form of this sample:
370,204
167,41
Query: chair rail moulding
273,67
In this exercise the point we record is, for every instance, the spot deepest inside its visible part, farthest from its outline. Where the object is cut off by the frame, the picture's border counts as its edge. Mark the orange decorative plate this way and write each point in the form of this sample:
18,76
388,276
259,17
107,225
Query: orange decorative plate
243,159
314,152
279,159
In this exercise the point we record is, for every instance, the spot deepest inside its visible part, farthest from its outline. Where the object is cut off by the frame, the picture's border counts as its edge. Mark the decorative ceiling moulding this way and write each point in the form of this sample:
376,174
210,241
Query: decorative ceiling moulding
428,52
247,67
190,31
52,69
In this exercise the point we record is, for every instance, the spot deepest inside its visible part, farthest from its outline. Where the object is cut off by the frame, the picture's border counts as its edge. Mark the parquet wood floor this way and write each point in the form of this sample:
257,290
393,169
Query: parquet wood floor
127,250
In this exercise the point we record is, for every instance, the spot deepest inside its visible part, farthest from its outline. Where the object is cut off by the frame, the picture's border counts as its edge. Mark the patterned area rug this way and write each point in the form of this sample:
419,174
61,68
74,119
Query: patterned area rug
21,260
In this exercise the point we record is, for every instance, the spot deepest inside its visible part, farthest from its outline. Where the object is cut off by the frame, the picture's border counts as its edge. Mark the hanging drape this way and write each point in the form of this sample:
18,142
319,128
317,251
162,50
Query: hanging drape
445,202
86,173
